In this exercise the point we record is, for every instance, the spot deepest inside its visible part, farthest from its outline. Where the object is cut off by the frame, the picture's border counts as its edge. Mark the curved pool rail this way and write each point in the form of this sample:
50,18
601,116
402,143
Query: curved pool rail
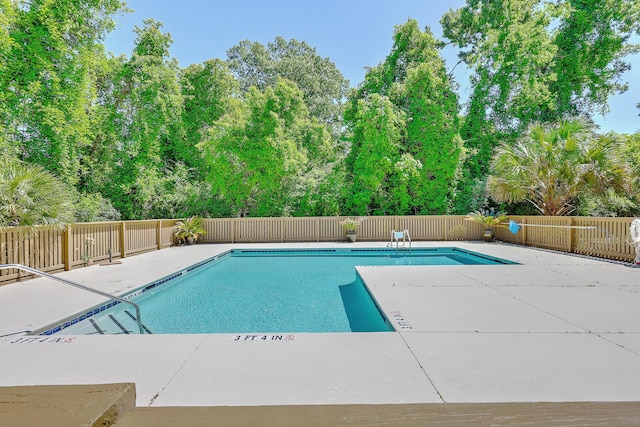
77,285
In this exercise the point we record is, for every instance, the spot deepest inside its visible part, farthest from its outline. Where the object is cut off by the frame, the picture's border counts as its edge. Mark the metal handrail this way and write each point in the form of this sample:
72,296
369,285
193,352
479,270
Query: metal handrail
77,285
394,238
406,233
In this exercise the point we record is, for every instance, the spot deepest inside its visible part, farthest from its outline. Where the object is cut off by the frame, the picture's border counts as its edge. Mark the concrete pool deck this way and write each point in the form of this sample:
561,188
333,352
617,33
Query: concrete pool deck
555,328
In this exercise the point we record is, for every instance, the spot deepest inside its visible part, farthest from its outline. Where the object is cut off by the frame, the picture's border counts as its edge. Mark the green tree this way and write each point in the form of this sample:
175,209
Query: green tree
8,11
44,81
143,133
94,208
534,61
433,137
206,90
155,96
414,79
101,159
544,61
376,128
480,138
629,151
251,65
320,81
511,51
592,40
31,196
261,149
508,50
623,200
551,166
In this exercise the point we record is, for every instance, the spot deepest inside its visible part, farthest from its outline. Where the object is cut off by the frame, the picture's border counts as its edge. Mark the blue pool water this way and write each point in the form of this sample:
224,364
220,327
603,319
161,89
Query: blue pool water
268,291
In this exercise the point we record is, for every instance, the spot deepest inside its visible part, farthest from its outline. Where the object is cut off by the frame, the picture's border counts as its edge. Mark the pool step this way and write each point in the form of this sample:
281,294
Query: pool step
118,323
146,330
121,323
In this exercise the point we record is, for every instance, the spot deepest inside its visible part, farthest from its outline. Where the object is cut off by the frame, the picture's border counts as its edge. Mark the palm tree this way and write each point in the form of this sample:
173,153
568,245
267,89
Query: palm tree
551,166
31,196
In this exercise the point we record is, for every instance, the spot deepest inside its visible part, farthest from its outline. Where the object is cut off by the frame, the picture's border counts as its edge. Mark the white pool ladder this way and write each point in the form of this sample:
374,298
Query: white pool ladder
77,285
398,236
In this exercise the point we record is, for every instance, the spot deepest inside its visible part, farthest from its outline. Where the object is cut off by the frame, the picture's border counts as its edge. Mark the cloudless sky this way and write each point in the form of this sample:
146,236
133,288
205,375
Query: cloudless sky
354,34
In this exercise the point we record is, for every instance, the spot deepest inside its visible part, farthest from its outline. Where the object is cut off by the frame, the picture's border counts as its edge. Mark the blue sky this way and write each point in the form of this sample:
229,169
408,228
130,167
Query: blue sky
354,34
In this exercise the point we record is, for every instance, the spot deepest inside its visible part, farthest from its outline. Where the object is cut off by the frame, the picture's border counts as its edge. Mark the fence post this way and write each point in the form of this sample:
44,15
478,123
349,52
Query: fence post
445,226
232,228
524,231
67,250
159,234
571,242
123,246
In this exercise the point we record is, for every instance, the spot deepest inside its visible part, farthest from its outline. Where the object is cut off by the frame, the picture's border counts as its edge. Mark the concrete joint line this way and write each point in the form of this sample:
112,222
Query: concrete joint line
184,363
422,369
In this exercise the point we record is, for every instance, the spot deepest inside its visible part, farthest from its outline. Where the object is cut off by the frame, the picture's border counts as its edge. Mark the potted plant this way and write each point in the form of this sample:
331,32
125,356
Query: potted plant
351,225
488,219
189,230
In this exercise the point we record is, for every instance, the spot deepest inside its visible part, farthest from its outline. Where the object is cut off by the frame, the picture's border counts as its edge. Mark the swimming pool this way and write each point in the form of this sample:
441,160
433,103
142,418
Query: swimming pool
264,291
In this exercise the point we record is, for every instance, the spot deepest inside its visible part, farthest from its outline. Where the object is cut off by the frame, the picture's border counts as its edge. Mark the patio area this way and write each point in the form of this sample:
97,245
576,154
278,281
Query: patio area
554,328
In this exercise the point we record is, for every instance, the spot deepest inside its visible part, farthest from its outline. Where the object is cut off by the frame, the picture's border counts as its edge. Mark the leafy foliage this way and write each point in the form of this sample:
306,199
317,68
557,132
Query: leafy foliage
433,137
623,200
544,61
94,208
376,126
189,230
320,81
550,167
206,90
44,84
144,126
480,139
592,40
7,19
488,218
261,148
350,224
510,49
405,154
267,132
534,62
30,196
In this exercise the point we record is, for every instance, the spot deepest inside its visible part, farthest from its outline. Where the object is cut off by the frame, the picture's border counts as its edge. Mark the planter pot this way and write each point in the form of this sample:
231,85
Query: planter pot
191,240
488,235
352,236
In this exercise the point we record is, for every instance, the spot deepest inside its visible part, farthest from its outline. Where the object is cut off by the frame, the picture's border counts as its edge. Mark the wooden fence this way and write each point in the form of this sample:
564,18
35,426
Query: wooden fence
328,229
82,244
598,237
85,243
